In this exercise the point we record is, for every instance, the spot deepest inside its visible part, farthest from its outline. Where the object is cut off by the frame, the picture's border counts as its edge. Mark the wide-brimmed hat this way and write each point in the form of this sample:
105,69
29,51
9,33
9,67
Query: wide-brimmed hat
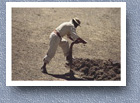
77,21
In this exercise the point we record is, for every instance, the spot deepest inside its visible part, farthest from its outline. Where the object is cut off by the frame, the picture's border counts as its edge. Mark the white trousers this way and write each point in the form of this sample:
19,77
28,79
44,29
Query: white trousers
54,42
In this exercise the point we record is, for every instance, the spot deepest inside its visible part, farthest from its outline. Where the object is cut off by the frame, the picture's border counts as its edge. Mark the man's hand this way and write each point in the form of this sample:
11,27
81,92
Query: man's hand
84,42
80,40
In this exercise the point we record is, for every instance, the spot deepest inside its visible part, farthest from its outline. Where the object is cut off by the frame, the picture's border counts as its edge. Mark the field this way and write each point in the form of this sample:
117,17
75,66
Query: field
31,28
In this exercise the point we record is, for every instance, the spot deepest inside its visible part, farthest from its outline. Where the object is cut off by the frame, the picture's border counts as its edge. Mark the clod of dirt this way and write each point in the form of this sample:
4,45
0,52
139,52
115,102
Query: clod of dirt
97,69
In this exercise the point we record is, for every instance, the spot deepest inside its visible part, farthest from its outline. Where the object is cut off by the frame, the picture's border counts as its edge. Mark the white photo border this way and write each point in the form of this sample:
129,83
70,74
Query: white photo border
10,5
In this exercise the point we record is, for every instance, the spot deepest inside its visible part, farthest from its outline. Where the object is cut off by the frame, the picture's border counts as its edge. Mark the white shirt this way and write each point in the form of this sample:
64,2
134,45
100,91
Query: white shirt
67,28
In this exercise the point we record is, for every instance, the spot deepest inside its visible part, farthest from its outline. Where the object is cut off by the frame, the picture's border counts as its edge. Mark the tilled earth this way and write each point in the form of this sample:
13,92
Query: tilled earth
96,69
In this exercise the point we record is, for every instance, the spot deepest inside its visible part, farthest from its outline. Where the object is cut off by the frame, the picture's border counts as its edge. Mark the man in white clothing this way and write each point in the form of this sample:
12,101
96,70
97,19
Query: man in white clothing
56,38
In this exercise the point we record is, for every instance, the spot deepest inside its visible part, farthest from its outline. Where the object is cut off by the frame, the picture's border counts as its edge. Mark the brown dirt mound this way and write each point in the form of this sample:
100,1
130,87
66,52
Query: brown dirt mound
96,69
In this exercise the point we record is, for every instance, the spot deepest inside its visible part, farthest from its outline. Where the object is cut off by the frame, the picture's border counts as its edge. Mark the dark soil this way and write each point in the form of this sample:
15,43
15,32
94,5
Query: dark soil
96,69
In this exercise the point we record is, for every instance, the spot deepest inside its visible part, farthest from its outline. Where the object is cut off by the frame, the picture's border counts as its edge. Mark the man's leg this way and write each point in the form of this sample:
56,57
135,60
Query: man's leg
54,41
65,47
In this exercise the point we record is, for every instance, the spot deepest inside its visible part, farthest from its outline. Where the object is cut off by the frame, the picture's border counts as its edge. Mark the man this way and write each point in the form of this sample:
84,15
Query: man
66,28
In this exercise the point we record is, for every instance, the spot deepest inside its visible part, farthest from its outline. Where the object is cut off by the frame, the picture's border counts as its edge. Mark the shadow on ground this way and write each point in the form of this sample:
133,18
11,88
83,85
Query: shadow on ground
66,76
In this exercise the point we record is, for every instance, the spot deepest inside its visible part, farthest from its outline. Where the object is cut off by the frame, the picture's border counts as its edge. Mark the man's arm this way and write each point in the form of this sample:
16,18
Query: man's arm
80,40
74,37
